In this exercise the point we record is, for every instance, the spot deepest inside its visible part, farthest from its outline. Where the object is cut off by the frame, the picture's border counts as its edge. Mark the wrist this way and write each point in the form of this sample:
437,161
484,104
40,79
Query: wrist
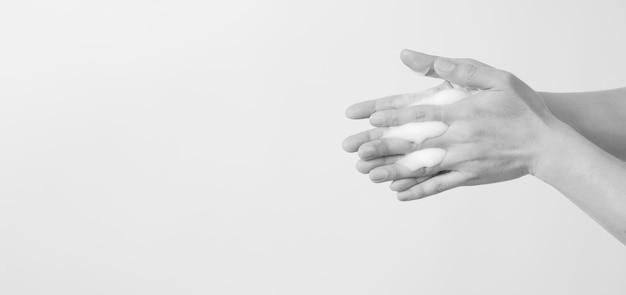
554,148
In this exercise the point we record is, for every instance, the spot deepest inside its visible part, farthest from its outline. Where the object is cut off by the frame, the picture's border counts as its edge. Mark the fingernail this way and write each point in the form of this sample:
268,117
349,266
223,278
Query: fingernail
444,65
379,174
367,152
377,119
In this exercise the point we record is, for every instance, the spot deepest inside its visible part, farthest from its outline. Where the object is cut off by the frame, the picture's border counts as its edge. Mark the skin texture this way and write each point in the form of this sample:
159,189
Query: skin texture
599,116
501,133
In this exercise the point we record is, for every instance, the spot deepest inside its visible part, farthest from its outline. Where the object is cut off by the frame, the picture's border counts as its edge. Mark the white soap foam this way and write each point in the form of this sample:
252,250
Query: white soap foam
423,158
444,96
419,131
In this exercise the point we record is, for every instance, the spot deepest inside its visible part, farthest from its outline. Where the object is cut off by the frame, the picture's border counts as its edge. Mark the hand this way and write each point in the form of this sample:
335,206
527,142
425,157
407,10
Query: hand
494,135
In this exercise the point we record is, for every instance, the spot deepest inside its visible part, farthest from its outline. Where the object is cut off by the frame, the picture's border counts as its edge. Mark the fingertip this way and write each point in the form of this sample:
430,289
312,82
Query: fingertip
377,119
361,167
350,113
404,196
406,57
405,54
394,186
347,146
366,152
418,62
378,175
397,186
360,110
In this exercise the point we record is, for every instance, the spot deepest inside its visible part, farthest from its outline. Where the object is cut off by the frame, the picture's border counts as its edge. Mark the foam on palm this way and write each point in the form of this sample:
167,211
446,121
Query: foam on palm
418,132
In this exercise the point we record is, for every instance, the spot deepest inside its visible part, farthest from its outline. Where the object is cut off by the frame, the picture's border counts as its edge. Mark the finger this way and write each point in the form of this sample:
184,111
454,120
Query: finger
419,62
423,63
397,171
464,72
433,186
386,147
364,109
352,143
470,75
421,113
365,166
406,183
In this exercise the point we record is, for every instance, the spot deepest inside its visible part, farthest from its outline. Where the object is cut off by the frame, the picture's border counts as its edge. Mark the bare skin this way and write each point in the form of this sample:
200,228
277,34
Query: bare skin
599,116
503,132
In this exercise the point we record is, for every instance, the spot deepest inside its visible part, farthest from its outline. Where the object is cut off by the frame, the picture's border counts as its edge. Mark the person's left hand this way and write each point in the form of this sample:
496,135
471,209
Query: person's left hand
494,135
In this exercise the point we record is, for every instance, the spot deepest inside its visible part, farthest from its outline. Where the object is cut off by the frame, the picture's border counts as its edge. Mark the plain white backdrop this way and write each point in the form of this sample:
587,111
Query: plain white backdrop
194,147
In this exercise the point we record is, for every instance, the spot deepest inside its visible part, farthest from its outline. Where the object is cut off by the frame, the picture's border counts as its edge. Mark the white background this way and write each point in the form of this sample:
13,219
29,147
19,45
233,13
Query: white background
194,147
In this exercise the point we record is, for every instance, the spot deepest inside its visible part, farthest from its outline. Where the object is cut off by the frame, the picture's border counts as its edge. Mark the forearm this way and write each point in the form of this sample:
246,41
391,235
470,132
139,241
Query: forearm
590,177
599,116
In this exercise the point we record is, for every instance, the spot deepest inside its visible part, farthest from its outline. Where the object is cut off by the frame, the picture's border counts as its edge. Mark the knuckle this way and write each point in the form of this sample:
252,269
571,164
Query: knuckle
427,113
419,114
392,173
393,120
393,102
382,147
468,72
439,187
430,171
417,192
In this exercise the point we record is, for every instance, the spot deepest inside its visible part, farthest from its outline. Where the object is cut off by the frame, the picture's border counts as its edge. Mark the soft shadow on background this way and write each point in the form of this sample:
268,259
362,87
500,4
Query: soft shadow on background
194,147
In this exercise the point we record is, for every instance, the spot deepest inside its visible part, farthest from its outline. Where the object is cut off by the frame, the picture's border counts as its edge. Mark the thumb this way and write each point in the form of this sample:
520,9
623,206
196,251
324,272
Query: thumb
419,62
469,75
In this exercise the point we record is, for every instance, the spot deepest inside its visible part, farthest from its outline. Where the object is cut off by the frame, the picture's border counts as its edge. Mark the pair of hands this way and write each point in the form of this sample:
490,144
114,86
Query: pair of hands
496,134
